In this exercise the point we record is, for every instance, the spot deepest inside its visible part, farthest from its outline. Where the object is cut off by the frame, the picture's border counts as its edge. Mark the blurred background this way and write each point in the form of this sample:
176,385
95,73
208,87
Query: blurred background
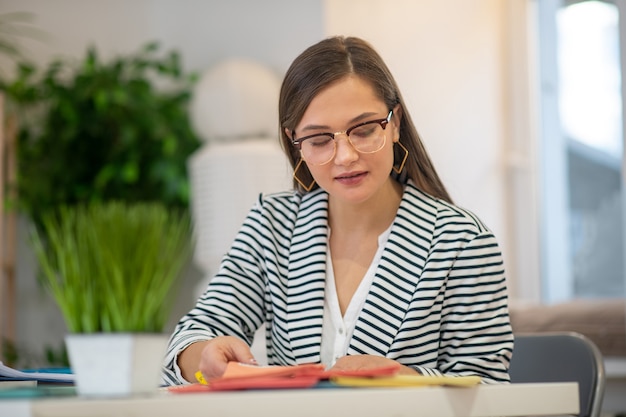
519,103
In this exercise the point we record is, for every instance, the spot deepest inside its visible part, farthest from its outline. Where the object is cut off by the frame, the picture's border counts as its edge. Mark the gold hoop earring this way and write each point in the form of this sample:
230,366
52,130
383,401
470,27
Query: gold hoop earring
295,177
406,155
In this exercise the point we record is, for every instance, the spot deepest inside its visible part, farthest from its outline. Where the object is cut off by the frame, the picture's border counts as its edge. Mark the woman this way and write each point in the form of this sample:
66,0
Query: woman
367,262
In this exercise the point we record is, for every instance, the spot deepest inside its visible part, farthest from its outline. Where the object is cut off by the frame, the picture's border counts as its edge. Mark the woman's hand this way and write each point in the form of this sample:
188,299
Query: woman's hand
221,350
355,362
212,356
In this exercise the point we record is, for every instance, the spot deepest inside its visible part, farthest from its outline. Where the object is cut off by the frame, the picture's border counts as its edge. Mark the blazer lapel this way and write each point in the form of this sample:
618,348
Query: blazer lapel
397,275
307,277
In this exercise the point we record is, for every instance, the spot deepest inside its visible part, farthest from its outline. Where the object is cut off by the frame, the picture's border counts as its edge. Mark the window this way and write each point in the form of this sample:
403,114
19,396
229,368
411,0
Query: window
582,147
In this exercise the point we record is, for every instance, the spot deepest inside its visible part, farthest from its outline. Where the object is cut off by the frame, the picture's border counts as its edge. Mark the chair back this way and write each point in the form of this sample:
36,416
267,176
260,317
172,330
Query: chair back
561,357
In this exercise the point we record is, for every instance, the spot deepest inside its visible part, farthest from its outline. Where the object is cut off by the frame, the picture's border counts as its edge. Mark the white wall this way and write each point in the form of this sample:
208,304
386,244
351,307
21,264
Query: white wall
203,31
448,57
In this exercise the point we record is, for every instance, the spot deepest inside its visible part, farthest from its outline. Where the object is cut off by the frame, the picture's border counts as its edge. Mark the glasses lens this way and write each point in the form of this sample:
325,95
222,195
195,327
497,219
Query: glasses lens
318,150
368,138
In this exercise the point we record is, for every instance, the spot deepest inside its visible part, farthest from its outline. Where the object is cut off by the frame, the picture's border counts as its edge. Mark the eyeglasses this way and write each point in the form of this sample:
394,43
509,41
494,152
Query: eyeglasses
320,148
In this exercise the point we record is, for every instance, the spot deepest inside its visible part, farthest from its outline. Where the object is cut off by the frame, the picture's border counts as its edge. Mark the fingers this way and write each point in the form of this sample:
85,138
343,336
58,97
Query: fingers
241,352
221,350
357,362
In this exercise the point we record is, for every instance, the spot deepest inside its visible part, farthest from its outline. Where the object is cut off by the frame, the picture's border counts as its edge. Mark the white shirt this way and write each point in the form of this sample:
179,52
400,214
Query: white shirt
337,330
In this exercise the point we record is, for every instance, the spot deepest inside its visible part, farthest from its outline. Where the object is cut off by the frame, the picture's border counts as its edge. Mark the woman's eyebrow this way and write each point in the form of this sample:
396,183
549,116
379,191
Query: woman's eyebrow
361,117
315,127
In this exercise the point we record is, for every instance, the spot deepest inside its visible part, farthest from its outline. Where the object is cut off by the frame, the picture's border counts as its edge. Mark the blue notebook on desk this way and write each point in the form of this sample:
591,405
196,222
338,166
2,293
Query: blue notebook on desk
56,375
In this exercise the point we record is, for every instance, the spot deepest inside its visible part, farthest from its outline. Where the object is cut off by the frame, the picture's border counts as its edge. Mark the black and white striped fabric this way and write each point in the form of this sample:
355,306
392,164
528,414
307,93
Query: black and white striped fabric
438,301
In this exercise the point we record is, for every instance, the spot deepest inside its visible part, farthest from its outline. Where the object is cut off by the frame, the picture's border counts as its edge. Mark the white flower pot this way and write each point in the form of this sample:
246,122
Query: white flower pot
116,364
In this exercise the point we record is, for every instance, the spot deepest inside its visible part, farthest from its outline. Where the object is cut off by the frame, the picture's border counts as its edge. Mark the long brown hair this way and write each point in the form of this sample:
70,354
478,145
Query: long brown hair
329,61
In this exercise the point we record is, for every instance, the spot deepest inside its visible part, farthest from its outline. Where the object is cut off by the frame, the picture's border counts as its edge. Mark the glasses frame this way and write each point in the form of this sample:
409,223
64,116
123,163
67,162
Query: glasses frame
297,143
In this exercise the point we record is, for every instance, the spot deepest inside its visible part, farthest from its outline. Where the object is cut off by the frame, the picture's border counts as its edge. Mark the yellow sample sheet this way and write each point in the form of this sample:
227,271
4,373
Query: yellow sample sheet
407,381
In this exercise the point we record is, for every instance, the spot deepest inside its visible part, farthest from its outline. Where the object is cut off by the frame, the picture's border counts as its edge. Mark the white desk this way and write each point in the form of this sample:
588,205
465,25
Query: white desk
481,401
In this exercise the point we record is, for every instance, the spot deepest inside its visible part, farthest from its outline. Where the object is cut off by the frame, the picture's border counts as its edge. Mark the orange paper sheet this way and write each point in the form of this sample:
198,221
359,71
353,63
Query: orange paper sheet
240,376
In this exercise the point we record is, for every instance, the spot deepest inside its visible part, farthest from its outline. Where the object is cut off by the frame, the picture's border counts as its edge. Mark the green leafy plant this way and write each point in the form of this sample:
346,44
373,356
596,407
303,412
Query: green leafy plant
102,130
112,267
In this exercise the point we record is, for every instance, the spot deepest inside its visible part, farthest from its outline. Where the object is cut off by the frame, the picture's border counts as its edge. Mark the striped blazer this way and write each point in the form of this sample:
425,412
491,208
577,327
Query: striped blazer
438,301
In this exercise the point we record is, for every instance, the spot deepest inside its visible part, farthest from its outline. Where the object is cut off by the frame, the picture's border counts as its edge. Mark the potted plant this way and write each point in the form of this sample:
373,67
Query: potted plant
112,269
102,150
99,130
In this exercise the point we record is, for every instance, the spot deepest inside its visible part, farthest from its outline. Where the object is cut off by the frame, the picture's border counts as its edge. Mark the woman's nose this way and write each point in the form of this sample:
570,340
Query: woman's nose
345,153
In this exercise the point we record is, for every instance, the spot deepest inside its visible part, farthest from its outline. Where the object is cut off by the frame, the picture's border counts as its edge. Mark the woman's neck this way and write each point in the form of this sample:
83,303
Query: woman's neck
375,214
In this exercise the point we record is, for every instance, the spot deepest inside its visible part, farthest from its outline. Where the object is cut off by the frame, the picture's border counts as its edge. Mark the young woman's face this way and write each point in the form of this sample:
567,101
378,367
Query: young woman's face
350,175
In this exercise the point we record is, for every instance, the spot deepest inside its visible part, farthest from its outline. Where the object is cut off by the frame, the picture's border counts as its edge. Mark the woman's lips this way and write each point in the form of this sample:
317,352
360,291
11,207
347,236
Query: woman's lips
351,178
